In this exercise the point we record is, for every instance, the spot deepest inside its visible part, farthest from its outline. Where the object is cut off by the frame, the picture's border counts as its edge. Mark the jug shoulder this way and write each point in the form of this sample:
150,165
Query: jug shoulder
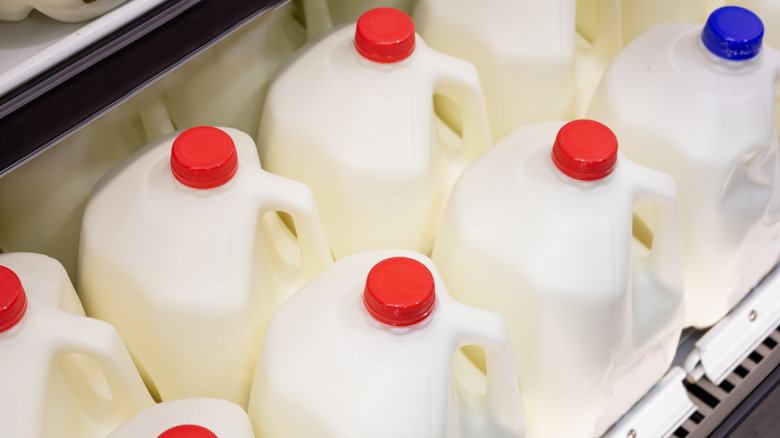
45,281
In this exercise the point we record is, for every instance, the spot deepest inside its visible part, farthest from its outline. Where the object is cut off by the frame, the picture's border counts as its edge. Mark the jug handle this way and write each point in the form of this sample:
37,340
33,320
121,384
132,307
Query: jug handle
772,212
297,200
665,259
100,341
488,330
317,18
463,78
608,39
155,118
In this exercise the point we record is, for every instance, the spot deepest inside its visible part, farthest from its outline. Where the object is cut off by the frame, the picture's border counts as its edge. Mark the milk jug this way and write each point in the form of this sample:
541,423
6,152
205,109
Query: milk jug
226,86
61,374
183,251
604,27
375,337
523,50
71,11
362,132
698,103
578,249
188,418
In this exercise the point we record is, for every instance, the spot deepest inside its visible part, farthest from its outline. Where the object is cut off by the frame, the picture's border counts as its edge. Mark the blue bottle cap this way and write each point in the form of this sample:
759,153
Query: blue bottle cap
734,33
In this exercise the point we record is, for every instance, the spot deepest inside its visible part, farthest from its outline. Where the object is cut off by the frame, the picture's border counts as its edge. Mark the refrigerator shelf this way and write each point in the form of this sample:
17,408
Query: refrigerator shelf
37,43
720,377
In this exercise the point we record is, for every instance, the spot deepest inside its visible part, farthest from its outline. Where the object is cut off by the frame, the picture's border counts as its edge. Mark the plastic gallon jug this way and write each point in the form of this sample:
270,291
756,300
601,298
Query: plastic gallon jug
379,162
188,418
61,374
183,251
72,11
540,230
226,86
523,50
375,338
604,27
699,105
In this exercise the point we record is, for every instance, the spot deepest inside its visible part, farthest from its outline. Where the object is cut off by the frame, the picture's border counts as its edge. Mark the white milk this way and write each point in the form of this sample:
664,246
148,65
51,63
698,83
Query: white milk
604,27
710,123
62,374
594,316
375,337
188,418
363,135
190,276
523,50
72,11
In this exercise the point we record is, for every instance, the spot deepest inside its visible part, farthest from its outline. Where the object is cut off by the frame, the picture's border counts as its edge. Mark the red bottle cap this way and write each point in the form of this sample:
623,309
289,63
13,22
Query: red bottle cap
399,291
13,300
585,150
204,157
385,35
187,431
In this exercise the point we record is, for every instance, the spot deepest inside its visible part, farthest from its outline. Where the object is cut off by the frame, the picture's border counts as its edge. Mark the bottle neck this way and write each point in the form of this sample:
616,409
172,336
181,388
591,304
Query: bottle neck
383,66
14,331
723,65
580,184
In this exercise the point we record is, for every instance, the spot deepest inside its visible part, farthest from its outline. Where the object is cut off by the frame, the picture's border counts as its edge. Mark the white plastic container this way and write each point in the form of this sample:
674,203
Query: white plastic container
709,121
379,162
182,250
61,374
375,337
524,51
188,418
606,26
593,314
71,11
